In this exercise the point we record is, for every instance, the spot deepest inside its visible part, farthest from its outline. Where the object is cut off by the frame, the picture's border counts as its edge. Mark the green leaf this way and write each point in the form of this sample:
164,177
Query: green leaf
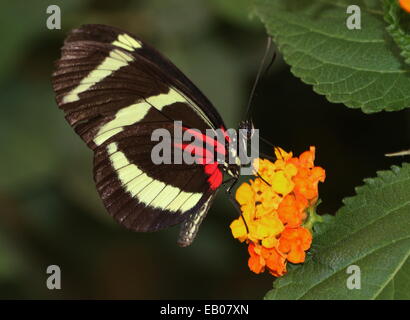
360,68
324,225
399,26
371,231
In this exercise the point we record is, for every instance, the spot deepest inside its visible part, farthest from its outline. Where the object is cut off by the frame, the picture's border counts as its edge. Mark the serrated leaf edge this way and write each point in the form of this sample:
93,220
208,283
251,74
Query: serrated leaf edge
370,183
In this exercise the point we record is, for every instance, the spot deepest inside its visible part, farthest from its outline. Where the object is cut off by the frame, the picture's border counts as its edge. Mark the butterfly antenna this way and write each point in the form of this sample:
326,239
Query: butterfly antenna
267,142
258,75
260,177
400,153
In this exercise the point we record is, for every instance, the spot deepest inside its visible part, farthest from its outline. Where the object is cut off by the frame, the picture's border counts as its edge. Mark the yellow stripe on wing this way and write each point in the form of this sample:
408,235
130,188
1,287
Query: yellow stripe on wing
148,190
126,42
136,112
124,117
116,60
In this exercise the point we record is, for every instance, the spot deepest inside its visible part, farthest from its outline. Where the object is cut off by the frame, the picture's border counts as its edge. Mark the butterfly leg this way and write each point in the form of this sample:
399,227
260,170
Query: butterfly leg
233,200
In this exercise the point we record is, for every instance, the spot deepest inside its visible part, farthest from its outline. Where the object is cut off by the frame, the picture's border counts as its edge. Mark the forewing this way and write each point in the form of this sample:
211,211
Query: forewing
103,70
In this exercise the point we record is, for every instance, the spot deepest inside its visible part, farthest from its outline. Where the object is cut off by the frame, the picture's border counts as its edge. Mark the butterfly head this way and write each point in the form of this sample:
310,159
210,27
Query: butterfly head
246,129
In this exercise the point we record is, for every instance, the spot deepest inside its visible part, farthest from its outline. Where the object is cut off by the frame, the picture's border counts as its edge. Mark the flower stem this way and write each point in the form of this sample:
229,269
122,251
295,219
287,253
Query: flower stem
313,217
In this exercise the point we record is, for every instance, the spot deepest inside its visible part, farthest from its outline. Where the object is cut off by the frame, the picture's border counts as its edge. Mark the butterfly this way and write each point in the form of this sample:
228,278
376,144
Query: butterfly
115,90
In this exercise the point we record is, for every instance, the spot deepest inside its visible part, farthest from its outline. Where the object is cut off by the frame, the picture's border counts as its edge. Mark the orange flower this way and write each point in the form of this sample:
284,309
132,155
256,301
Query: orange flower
308,176
275,208
405,4
294,242
275,261
256,262
306,182
292,210
261,257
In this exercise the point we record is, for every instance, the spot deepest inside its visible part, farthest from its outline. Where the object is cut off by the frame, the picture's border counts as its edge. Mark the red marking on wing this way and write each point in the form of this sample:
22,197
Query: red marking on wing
215,175
202,155
210,168
215,179
205,157
219,147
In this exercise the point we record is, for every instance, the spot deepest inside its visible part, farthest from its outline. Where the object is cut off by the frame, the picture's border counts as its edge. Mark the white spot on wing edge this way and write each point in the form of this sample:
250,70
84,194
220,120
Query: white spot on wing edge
126,42
112,148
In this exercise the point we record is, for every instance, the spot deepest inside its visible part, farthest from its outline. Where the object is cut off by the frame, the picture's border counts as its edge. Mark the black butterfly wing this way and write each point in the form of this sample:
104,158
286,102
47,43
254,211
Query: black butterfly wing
143,196
115,90
132,68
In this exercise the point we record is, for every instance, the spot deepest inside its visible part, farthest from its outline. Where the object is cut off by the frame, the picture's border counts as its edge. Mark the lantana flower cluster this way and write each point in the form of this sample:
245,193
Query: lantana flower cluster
275,208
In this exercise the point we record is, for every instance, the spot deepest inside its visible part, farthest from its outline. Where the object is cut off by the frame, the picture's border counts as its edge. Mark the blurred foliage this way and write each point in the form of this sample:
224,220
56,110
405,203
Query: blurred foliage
50,210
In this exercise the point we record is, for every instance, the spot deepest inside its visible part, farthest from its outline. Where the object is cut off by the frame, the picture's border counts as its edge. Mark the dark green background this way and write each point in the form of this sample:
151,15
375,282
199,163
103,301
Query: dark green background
50,210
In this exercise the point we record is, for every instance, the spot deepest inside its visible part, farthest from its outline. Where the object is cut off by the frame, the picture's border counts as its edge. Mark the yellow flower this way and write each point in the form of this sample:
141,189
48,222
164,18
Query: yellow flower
282,154
281,183
238,230
261,219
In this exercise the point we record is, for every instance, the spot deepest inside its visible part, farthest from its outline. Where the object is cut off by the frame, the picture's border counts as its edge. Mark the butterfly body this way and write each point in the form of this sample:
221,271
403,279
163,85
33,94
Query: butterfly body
115,91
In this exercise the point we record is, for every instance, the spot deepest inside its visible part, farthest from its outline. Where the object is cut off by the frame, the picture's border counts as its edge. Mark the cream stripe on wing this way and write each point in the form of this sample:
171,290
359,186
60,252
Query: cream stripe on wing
138,184
165,196
136,112
126,42
151,191
191,202
128,173
165,99
172,96
112,63
124,117
185,199
147,190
